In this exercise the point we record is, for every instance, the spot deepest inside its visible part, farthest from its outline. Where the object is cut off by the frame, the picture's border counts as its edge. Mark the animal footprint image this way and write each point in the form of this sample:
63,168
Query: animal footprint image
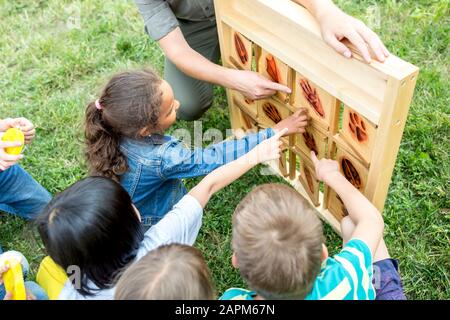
248,123
272,69
312,97
240,49
344,209
271,111
351,174
357,127
310,142
309,180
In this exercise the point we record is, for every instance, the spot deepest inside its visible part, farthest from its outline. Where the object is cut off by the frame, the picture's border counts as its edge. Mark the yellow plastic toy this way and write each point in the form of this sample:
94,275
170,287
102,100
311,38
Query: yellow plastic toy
51,277
14,134
13,279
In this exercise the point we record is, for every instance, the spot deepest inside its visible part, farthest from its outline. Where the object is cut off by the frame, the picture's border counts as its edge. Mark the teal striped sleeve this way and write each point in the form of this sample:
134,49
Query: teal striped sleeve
356,259
238,294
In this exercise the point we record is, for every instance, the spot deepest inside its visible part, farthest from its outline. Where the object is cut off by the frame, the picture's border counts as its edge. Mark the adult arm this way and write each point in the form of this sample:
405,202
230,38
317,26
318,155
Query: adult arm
162,25
190,62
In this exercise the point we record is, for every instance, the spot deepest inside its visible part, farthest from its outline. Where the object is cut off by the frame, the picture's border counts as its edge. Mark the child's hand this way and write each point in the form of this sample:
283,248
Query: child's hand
3,269
26,126
295,123
269,149
325,168
8,160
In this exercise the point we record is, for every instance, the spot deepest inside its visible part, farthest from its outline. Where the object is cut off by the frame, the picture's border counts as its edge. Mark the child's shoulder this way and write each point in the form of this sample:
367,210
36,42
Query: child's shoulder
355,253
346,275
146,146
238,294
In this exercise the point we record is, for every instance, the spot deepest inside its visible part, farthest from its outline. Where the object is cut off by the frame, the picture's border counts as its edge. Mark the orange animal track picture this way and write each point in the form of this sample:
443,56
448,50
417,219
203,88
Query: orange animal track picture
248,123
357,127
309,180
272,69
310,142
240,49
344,209
351,174
312,97
271,111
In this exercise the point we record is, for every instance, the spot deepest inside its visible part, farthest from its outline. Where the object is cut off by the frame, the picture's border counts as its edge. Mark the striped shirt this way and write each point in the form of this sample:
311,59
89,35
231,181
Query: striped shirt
346,276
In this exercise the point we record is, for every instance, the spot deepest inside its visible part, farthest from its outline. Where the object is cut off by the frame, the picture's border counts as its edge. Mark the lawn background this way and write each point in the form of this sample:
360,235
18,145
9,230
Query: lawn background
55,55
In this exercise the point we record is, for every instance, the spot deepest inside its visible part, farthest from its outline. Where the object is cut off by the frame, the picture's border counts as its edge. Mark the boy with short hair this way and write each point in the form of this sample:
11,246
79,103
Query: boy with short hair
278,246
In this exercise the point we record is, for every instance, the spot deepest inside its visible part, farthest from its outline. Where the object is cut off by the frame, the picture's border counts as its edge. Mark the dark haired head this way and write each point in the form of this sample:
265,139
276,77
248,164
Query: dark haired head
94,226
129,103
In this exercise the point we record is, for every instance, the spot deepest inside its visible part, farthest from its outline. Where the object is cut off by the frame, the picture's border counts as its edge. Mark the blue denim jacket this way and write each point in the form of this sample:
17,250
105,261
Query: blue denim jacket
156,165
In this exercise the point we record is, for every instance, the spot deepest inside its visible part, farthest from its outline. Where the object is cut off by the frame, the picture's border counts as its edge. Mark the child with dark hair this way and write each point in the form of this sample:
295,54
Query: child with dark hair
125,141
93,232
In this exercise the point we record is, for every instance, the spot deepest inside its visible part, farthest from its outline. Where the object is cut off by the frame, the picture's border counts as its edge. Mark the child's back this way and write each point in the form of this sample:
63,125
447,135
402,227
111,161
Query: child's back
278,244
125,141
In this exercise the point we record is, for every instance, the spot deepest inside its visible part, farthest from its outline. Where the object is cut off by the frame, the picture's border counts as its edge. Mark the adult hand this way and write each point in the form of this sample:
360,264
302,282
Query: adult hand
253,85
336,25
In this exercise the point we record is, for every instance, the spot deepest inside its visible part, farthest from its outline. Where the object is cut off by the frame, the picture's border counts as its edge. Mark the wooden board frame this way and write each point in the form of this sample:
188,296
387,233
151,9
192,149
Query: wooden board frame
381,93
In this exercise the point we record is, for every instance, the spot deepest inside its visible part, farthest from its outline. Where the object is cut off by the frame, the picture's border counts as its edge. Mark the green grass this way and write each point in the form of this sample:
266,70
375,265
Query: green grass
49,73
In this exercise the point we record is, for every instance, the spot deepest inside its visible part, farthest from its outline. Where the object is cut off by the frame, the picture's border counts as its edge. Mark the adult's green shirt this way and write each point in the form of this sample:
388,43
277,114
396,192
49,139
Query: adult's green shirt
161,16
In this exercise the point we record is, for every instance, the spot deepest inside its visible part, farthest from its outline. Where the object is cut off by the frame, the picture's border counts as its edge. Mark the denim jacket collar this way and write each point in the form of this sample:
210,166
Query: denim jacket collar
156,138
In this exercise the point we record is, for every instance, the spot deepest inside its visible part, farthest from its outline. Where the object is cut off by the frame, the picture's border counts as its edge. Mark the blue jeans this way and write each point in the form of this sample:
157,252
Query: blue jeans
30,286
20,194
389,286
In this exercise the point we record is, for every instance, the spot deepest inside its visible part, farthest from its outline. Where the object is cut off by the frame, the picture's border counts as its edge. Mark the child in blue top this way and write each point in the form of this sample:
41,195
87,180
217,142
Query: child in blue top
92,230
278,246
125,141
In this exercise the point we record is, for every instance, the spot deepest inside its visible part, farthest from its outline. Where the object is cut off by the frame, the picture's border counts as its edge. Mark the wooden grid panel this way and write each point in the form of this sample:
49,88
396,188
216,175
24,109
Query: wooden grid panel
266,37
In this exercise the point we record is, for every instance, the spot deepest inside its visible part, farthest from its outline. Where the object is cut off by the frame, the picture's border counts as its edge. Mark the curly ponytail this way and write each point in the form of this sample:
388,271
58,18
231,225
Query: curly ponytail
130,102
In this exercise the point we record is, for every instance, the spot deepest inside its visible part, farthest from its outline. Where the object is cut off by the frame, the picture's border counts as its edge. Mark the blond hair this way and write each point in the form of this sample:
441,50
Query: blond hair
277,240
172,272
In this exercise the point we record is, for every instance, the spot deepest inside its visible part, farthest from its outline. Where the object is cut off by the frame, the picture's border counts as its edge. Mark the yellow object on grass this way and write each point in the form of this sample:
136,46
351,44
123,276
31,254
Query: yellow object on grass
51,277
12,135
13,279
